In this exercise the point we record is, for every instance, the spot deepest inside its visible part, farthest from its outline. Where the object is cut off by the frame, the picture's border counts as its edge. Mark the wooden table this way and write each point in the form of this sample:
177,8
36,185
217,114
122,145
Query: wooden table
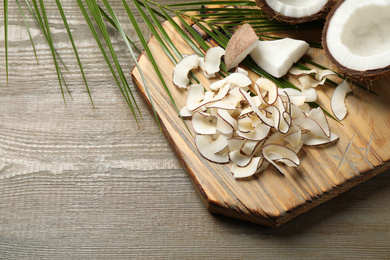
84,182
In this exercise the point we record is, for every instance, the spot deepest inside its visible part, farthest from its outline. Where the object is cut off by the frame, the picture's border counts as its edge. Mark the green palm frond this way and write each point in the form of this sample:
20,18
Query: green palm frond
5,6
27,27
125,88
73,46
216,19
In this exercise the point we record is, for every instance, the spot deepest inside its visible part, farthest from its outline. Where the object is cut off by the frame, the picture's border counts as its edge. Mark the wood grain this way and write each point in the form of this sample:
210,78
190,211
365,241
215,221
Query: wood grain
78,182
271,198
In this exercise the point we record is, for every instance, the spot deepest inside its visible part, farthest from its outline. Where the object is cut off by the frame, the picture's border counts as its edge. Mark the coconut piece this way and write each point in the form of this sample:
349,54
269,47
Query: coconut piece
223,127
241,70
285,117
318,73
249,147
224,114
294,138
239,80
222,92
311,140
195,102
243,41
204,123
195,96
337,101
296,97
203,69
299,72
258,133
235,92
318,115
209,148
263,165
276,57
239,159
244,124
185,113
218,84
311,94
181,70
212,59
265,87
274,153
261,114
308,82
312,126
248,170
236,143
296,112
356,38
295,11
305,108
228,103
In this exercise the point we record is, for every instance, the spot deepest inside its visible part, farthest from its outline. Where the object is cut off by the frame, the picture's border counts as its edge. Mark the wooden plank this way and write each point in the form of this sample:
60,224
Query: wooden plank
269,198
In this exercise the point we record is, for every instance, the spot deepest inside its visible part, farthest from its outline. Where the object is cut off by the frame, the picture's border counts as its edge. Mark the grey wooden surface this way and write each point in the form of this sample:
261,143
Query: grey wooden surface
78,182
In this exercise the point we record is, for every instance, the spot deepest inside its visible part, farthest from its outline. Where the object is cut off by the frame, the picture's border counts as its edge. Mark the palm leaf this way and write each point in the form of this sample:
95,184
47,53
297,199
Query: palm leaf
100,45
213,17
108,18
154,32
5,6
45,22
73,46
161,30
27,27
217,3
126,91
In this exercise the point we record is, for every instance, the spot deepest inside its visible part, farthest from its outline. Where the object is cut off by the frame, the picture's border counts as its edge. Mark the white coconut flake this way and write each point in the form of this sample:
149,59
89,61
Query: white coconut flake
241,70
338,100
181,70
212,59
204,123
202,67
248,170
253,130
209,148
239,159
274,153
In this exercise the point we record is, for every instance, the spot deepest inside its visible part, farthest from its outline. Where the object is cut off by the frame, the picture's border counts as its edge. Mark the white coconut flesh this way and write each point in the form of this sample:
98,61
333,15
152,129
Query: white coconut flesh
297,8
337,101
180,72
276,57
358,34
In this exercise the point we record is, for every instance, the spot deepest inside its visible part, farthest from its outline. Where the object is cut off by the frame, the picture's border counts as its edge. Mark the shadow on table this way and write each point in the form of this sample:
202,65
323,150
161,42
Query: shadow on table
348,209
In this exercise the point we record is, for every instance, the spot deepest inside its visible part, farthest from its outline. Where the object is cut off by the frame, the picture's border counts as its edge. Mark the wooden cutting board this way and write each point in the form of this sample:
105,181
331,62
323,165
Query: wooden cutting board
270,198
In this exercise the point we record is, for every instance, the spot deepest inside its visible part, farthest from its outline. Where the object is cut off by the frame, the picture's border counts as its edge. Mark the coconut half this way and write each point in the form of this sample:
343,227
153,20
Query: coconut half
295,11
356,38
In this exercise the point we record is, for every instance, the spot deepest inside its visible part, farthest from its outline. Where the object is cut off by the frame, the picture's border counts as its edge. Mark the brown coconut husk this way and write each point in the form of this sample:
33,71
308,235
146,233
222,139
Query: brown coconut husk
366,75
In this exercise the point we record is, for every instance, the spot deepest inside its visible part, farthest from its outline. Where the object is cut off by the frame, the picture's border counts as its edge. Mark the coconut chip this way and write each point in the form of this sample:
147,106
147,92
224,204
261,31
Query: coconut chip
255,129
337,101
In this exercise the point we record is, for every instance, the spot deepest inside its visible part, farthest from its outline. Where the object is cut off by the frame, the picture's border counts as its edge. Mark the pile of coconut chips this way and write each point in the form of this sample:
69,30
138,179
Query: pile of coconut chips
254,124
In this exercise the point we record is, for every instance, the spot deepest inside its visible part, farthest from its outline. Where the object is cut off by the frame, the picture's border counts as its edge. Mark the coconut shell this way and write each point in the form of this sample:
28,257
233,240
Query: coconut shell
294,20
366,75
241,40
